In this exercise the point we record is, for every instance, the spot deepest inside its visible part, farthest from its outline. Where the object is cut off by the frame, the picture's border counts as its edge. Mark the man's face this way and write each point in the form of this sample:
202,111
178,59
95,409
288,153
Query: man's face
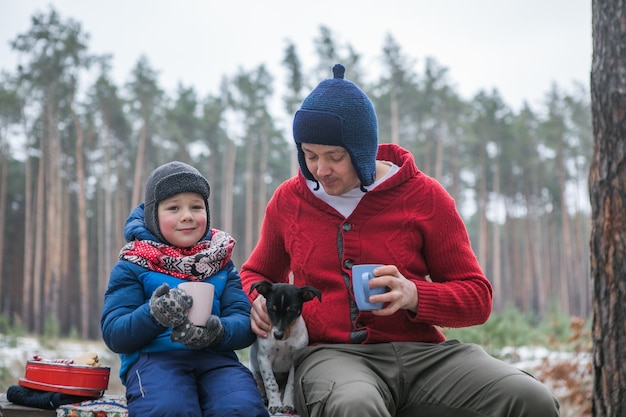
332,167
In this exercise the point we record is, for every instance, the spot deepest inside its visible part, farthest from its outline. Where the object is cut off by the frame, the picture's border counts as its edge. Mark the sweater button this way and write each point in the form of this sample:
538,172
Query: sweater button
346,227
348,263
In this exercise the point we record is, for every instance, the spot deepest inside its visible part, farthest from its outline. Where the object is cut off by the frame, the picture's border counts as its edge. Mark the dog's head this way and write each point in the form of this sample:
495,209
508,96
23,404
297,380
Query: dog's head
284,304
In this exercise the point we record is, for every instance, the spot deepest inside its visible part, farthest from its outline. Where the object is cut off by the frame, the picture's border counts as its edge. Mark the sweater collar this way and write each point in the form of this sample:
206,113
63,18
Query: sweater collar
388,152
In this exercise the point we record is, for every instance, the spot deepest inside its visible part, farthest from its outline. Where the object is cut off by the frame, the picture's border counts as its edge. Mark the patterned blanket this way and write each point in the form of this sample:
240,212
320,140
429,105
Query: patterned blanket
106,406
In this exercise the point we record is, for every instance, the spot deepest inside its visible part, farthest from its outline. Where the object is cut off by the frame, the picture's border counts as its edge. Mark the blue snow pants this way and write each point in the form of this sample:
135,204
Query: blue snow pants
191,384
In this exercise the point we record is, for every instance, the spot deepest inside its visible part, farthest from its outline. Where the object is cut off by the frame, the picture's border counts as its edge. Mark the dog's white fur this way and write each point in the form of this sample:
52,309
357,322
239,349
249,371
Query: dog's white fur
271,362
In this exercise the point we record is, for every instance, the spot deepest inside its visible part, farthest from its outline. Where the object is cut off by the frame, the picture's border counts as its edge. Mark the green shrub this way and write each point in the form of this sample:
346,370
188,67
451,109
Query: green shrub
558,328
512,327
14,329
51,333
74,334
5,326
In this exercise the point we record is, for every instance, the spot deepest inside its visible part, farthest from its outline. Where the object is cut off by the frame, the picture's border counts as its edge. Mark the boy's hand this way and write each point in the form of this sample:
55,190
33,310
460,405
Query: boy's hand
196,337
169,307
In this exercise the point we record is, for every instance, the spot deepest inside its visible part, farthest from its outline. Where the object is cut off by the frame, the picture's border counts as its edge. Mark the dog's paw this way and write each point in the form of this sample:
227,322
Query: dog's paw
275,409
288,409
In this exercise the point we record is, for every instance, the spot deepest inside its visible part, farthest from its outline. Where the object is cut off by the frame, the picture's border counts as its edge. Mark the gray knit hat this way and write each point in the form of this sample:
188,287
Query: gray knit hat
168,180
339,113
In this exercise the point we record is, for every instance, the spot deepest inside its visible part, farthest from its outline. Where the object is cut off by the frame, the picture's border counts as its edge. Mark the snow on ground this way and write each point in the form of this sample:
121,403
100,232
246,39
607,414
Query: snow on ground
555,368
21,349
16,351
531,357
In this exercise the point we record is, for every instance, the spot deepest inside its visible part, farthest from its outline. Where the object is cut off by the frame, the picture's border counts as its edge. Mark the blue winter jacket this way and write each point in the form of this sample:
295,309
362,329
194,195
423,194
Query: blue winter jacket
129,329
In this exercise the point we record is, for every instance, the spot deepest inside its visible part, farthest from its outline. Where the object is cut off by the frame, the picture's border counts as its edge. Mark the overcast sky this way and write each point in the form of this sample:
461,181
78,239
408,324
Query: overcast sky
519,47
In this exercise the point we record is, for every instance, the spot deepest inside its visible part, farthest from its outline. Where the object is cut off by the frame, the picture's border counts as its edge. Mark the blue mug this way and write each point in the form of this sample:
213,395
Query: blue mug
361,274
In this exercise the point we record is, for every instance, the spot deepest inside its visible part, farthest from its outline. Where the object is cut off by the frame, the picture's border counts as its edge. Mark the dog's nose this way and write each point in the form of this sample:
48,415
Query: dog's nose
278,335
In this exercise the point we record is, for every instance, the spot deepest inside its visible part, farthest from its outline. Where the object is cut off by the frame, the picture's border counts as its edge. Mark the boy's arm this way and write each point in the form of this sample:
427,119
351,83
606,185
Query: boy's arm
126,322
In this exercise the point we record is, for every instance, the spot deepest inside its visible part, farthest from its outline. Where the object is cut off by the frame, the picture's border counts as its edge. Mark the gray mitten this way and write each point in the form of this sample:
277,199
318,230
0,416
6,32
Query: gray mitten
196,337
169,307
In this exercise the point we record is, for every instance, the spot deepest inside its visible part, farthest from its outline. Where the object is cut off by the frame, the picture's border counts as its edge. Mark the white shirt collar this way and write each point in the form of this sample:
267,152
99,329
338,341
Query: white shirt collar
347,202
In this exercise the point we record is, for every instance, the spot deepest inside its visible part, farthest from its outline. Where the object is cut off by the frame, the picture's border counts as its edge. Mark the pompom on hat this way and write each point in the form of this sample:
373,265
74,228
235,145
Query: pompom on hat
168,180
338,113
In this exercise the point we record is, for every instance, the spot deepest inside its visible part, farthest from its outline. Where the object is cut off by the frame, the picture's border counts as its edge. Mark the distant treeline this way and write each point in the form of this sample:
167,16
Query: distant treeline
74,157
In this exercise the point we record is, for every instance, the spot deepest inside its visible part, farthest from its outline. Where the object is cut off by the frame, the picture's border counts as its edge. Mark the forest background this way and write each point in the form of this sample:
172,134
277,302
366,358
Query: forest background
75,148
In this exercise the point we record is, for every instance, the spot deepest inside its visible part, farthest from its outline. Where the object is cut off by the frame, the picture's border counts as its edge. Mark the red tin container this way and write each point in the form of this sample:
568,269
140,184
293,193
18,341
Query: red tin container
80,380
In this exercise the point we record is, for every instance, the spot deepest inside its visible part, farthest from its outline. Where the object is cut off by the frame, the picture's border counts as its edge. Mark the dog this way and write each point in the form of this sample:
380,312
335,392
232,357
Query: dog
271,358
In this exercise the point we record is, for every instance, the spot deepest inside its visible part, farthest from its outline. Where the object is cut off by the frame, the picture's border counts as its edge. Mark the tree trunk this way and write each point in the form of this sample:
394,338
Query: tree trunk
526,288
566,278
29,242
482,199
395,115
514,260
40,226
53,195
67,314
607,191
583,287
438,135
38,258
4,169
496,268
139,162
249,202
211,169
83,238
293,161
121,206
262,186
106,245
545,264
228,185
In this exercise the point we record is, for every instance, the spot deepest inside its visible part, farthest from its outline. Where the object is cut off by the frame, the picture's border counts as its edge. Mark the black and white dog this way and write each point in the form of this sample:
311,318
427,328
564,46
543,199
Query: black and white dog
271,359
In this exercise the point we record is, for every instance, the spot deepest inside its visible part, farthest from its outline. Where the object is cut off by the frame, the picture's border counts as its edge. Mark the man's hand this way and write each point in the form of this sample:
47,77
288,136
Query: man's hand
402,294
259,320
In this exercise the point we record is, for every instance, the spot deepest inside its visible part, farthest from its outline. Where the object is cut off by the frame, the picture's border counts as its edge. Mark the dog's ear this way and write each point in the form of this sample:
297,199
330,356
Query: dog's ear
308,293
262,287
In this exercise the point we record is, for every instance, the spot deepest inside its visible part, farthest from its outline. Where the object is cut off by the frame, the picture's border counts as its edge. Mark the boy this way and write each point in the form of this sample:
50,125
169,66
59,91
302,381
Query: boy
169,366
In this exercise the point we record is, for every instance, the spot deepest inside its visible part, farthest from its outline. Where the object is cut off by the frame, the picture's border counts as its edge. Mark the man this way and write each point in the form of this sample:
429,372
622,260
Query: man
357,202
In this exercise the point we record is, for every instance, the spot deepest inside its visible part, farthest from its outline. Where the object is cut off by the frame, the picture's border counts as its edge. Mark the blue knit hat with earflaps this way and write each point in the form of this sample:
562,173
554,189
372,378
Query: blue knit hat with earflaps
168,180
339,113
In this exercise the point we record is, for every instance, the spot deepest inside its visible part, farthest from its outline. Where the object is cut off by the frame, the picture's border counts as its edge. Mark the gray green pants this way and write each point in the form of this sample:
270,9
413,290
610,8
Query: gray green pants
450,379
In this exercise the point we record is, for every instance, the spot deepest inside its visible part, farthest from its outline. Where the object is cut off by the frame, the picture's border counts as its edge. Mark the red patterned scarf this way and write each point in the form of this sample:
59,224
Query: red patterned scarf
196,263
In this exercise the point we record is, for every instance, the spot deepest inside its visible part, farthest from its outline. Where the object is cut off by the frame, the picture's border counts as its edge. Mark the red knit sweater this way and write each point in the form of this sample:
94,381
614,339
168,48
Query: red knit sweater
409,221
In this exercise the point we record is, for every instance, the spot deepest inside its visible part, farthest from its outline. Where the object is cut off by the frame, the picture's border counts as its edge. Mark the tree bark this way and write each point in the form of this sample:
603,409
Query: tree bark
249,201
395,115
228,185
607,191
262,186
107,248
29,239
496,267
83,255
53,248
140,160
482,200
4,169
566,270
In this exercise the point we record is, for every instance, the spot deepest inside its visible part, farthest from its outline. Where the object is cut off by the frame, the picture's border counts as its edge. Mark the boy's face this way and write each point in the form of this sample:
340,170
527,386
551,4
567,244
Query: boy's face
332,167
182,219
